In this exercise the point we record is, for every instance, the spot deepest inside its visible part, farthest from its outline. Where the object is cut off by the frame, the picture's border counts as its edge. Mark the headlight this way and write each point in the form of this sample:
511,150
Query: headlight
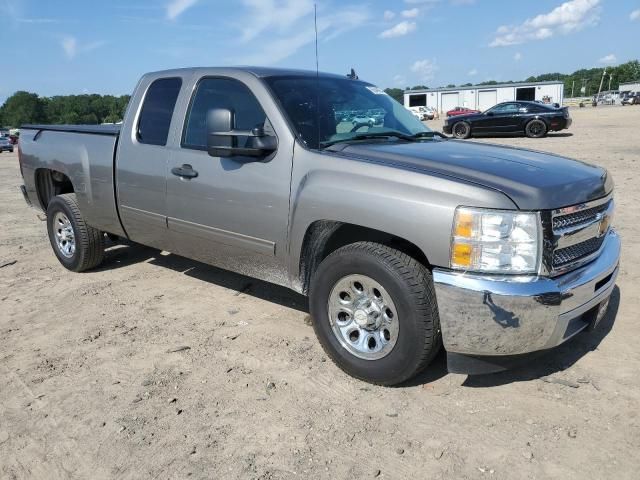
495,241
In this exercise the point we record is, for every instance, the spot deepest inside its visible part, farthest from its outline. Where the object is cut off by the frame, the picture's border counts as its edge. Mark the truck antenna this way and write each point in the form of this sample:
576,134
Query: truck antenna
315,26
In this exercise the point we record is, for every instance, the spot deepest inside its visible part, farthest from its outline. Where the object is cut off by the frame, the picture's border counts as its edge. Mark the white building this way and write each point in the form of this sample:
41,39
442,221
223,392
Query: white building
482,97
630,87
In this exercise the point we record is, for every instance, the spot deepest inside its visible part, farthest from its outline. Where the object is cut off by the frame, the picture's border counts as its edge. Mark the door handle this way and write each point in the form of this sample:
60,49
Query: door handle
185,171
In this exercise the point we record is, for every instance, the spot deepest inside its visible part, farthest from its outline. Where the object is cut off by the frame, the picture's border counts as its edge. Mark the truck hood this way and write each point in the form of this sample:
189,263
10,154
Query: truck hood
532,180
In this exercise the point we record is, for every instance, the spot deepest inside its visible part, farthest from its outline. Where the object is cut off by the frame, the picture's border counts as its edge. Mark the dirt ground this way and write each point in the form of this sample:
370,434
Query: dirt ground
155,366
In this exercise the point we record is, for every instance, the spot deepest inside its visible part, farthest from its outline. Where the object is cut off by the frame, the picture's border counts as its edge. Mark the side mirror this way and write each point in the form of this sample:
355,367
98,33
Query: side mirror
223,139
490,114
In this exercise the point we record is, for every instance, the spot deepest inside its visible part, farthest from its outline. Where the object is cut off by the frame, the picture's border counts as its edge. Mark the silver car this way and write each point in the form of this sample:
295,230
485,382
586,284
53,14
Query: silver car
5,145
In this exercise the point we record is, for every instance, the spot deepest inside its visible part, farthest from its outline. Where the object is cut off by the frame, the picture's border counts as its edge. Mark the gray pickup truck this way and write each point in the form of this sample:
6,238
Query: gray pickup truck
403,240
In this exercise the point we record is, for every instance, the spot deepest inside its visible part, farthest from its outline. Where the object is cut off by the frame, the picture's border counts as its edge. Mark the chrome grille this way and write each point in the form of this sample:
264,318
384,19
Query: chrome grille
578,218
567,255
576,234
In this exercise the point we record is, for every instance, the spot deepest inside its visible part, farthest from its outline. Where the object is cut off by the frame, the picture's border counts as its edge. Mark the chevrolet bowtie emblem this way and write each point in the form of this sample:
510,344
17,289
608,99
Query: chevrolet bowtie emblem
604,225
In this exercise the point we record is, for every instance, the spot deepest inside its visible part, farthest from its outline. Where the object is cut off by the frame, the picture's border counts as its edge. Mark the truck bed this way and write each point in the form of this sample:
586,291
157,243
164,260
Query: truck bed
112,130
85,155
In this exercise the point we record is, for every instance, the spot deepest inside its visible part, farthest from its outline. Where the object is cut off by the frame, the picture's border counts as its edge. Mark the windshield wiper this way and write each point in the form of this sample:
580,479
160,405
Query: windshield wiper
366,136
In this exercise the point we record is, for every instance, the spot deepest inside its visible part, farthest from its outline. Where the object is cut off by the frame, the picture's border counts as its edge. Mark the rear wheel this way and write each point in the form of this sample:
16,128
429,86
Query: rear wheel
535,129
461,130
375,312
77,245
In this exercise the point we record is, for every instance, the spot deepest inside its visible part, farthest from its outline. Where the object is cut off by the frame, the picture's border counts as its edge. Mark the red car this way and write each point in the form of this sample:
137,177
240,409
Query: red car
461,111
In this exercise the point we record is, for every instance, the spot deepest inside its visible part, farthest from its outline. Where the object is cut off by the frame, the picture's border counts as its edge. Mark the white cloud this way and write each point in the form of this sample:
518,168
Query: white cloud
473,72
70,46
284,36
425,69
399,80
388,15
278,15
635,15
411,13
177,7
517,57
608,59
71,49
402,28
569,17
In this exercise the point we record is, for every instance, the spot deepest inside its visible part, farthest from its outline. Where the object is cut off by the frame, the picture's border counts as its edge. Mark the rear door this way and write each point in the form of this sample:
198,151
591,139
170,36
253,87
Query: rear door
142,159
234,213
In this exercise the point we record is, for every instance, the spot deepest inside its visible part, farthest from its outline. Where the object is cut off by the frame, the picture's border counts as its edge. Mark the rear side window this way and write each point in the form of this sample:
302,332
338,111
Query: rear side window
221,93
157,110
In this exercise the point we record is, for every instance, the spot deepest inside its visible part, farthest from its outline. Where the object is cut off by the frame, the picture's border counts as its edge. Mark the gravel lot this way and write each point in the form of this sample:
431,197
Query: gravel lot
156,366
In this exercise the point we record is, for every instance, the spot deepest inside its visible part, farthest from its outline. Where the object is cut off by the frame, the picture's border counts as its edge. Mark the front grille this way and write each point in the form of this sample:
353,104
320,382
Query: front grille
578,218
567,255
584,225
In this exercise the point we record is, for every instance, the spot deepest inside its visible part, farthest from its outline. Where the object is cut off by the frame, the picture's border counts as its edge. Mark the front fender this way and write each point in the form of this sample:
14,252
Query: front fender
415,206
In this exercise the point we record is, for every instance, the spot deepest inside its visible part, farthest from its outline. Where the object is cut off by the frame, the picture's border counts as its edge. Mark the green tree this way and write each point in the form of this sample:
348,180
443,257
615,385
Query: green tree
22,107
395,93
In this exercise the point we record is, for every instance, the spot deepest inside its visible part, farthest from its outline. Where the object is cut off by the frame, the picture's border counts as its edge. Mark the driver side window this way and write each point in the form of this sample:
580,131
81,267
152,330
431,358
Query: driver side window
506,108
220,93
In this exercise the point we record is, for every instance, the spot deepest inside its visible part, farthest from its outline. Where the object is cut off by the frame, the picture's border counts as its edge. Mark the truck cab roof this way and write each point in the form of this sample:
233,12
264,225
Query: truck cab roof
261,72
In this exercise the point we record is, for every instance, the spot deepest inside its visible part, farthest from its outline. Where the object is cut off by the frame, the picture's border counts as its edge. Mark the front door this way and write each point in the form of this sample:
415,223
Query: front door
234,213
502,118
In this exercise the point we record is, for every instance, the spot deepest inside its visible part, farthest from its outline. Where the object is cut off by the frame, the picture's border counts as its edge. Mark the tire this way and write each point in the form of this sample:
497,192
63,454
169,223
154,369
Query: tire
461,130
409,335
535,129
78,246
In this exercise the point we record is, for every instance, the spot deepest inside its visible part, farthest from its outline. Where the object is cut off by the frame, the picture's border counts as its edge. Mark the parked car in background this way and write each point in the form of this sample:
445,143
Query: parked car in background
529,118
362,121
403,240
632,98
461,111
5,145
418,112
431,113
424,113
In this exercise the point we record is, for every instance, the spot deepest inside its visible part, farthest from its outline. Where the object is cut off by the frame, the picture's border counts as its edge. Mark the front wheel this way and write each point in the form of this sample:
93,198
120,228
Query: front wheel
461,130
375,312
77,245
535,129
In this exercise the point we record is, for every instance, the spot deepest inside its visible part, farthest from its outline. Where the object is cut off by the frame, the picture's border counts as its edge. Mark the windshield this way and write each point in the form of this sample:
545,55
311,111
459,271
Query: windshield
325,110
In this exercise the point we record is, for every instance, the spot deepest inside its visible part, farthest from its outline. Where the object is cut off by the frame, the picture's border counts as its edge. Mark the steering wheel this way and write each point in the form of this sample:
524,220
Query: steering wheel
358,126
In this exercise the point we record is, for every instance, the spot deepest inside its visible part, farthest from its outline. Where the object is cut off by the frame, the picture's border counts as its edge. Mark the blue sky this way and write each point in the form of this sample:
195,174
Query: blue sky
76,46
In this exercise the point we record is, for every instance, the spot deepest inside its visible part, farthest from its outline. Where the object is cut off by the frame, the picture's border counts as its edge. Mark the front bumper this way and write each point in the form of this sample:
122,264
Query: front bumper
487,315
446,128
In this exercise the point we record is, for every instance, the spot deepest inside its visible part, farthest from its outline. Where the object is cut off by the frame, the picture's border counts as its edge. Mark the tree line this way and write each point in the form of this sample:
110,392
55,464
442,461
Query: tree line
586,77
26,107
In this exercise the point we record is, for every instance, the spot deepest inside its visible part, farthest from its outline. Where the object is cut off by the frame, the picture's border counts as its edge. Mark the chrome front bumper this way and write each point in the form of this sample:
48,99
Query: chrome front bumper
511,315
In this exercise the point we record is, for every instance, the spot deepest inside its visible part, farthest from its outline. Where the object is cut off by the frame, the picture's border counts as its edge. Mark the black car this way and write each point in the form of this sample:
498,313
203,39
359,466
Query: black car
529,118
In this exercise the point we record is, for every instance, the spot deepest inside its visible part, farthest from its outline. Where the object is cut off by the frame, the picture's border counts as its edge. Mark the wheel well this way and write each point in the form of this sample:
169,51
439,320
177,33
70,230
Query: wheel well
50,183
324,237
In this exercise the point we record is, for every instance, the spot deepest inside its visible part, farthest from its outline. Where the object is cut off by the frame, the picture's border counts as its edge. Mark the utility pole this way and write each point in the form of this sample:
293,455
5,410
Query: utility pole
610,77
573,84
602,80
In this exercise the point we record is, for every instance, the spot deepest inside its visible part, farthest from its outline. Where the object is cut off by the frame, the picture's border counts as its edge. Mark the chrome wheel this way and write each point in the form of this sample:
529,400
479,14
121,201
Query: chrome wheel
363,317
64,235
